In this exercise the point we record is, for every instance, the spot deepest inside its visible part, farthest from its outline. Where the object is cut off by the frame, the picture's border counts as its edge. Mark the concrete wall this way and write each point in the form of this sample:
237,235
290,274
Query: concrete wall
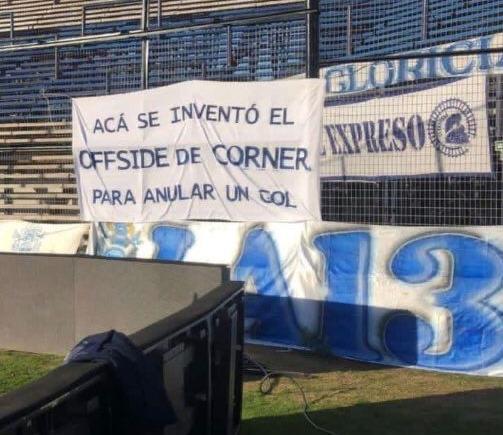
48,303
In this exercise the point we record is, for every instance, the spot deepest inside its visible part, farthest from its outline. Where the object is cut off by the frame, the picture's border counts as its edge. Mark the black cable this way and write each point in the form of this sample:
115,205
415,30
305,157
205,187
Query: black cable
266,386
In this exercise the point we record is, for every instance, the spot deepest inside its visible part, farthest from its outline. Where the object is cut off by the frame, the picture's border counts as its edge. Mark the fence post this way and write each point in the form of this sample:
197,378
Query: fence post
312,39
11,26
424,23
56,59
145,44
83,21
229,46
159,13
108,81
349,31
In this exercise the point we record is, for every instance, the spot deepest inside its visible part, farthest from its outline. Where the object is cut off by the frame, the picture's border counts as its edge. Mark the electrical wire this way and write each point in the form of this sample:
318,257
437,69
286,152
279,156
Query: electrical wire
266,385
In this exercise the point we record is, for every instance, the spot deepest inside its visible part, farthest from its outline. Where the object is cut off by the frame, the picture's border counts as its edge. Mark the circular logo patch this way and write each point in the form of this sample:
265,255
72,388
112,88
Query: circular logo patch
452,127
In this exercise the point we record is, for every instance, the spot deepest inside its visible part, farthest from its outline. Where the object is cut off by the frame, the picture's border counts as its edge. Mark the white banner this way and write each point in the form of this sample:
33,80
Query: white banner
414,296
201,150
28,237
438,130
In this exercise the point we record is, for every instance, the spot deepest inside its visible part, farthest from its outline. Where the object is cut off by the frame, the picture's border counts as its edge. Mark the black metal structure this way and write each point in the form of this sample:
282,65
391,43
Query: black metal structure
312,39
199,352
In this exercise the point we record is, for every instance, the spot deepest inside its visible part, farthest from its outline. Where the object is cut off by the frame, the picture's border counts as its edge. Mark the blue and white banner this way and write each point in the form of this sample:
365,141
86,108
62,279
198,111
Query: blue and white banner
430,298
32,238
440,130
359,77
201,150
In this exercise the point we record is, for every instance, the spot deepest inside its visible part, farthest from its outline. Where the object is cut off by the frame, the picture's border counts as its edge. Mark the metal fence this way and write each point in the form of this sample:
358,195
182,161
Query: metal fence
381,27
360,37
457,192
37,84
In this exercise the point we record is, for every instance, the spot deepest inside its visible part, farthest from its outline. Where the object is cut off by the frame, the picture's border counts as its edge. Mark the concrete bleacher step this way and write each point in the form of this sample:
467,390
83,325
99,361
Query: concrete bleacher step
30,133
36,187
34,167
37,179
40,217
42,207
33,133
32,140
41,197
27,125
46,14
52,159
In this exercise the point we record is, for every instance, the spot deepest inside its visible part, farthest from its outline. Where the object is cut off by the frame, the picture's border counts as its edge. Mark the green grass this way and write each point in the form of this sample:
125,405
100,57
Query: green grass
346,397
351,398
18,368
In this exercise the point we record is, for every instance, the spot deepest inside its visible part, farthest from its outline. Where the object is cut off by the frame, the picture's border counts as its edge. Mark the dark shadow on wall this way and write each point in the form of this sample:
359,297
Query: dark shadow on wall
335,329
467,413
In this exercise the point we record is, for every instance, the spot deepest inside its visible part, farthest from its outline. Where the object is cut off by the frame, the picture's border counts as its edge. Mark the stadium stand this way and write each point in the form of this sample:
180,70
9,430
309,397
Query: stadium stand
391,26
36,85
53,14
